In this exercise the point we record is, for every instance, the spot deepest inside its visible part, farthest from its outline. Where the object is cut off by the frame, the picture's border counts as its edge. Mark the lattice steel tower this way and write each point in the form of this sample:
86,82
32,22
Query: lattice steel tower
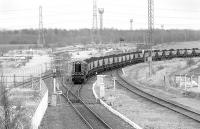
94,22
150,31
94,25
150,22
41,39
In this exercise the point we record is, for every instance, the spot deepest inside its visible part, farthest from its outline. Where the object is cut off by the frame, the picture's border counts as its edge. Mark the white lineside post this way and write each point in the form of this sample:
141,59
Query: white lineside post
123,72
143,55
57,87
114,79
102,90
100,79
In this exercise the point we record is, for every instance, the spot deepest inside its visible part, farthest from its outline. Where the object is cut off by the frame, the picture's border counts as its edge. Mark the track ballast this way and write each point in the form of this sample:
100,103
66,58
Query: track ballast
91,119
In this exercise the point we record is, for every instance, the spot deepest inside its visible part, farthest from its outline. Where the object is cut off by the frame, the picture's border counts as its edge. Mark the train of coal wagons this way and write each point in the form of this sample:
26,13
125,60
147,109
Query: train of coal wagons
84,69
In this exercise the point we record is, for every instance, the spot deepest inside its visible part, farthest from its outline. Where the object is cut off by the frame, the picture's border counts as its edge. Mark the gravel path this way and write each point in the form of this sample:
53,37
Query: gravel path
62,116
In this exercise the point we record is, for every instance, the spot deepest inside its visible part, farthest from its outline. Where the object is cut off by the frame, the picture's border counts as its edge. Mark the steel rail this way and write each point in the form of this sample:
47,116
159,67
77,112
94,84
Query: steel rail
134,88
92,123
70,102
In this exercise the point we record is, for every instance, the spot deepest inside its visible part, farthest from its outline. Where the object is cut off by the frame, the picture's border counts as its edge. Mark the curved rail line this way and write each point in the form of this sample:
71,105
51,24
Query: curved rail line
161,101
93,120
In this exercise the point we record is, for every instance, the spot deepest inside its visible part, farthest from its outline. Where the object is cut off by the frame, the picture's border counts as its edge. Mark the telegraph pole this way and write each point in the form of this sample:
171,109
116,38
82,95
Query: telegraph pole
41,40
150,31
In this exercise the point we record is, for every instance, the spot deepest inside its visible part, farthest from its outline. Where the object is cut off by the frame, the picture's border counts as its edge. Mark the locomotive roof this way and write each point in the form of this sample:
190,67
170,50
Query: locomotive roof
79,61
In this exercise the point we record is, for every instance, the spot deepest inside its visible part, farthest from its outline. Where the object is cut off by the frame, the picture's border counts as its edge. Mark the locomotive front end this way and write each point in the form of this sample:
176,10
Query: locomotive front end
79,72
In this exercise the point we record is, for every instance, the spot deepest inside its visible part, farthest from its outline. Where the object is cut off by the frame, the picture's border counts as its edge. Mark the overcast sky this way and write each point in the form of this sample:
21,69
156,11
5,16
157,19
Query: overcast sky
75,14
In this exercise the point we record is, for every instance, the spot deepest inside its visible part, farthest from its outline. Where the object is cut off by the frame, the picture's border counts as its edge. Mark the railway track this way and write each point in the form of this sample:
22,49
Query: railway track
161,101
90,118
73,93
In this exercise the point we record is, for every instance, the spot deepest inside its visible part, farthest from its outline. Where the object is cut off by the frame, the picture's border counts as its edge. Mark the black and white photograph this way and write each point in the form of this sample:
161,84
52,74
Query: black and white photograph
99,64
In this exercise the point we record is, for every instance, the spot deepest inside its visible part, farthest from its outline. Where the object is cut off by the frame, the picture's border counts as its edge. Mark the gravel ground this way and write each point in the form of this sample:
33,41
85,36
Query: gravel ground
145,113
62,116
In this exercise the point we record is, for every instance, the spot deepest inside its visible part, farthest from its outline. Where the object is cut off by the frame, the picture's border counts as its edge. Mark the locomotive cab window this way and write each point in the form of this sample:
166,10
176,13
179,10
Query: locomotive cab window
78,67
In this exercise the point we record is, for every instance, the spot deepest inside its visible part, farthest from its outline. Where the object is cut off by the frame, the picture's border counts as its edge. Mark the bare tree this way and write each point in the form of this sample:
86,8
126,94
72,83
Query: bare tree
12,113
